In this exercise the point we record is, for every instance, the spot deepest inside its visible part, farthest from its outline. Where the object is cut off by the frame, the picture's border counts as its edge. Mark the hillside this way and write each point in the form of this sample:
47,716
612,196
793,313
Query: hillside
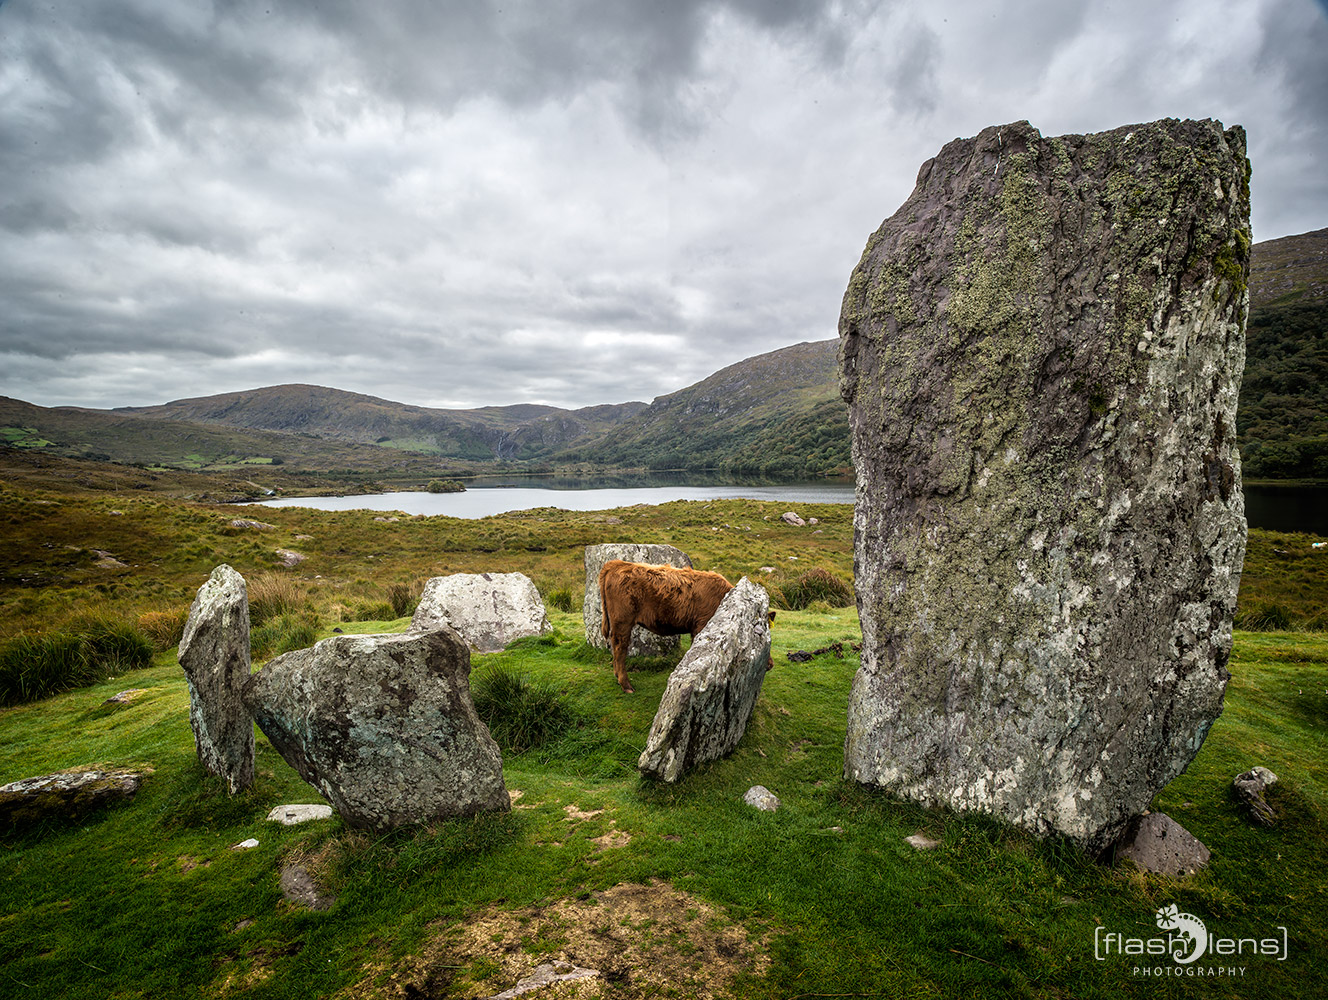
777,413
1282,422
484,434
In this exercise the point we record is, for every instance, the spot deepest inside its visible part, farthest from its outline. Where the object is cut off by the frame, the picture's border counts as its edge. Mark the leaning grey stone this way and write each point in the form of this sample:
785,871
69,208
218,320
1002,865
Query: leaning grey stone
712,692
489,610
1250,788
1041,352
1157,843
295,814
644,642
760,797
214,653
383,726
546,975
65,795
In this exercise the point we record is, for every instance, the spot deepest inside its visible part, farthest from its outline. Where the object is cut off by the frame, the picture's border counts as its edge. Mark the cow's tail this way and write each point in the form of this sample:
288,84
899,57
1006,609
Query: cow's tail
603,609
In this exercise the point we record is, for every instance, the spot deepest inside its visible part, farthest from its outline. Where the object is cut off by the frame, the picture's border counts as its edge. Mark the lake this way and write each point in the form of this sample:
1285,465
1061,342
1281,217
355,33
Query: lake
1277,508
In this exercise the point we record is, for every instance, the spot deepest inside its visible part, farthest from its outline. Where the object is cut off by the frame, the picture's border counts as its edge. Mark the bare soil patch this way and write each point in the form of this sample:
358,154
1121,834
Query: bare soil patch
646,940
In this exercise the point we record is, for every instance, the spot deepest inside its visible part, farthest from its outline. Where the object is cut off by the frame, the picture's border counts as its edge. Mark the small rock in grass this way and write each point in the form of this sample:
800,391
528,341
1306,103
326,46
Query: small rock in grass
760,797
1157,843
244,845
301,813
298,886
923,842
1250,787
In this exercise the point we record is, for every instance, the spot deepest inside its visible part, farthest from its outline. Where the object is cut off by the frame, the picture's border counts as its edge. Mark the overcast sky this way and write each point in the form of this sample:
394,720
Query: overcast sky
460,203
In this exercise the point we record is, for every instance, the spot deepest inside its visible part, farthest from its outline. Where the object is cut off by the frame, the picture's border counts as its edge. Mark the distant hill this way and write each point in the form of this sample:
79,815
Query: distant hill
777,413
1282,423
485,434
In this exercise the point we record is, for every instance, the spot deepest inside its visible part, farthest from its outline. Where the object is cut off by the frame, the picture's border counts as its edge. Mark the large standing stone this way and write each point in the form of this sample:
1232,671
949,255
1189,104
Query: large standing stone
1041,352
214,653
383,726
489,610
644,642
712,692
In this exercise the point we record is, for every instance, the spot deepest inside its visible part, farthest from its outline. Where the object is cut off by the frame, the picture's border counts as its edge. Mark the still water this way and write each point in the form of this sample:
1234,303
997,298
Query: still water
1278,508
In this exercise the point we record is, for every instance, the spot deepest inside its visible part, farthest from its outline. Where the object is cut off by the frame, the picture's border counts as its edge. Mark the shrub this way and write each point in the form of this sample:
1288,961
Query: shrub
816,585
164,628
270,595
519,712
35,666
374,611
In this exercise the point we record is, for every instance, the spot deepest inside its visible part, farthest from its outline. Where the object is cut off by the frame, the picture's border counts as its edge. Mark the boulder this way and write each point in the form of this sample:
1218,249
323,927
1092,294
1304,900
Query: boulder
644,642
1157,843
488,610
214,653
65,795
383,726
1041,352
790,518
712,692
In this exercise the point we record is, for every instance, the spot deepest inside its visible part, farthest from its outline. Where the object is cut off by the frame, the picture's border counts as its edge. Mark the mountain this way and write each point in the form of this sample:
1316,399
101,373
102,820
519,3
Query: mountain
777,413
484,434
1282,421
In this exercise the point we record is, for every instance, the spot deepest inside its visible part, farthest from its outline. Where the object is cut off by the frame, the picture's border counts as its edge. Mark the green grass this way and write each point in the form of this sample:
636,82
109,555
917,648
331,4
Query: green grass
152,894
150,900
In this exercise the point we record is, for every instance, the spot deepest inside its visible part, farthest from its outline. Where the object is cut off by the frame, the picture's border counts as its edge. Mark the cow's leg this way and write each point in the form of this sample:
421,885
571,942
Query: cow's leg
620,637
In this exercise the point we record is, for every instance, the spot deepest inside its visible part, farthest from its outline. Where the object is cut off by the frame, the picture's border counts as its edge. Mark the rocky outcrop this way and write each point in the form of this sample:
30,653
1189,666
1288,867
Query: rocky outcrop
214,653
1250,788
488,610
65,795
383,726
712,692
644,642
1041,352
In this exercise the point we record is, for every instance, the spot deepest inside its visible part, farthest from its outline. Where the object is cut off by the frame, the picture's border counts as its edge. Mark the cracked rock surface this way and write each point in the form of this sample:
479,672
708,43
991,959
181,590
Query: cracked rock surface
383,726
1041,351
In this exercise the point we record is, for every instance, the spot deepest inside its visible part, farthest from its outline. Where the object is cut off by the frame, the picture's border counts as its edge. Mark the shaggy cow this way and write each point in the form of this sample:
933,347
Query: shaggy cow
665,600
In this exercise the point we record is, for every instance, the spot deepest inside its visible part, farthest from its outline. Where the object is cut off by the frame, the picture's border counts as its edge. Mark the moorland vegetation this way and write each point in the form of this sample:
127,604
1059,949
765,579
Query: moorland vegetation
676,890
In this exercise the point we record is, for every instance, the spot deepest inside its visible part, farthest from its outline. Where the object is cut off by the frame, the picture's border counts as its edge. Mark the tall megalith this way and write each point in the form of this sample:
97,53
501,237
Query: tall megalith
214,654
1041,352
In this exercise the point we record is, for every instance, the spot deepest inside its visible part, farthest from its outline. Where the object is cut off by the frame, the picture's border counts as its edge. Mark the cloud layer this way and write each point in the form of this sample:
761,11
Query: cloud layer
576,202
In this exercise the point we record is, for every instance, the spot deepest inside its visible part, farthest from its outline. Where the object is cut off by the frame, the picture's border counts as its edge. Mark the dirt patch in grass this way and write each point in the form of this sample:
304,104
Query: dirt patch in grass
646,940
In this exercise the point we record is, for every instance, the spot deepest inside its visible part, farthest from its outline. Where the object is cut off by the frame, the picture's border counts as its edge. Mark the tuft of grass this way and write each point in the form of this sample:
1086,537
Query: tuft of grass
813,586
1265,616
282,635
521,713
403,597
34,666
272,595
164,628
562,599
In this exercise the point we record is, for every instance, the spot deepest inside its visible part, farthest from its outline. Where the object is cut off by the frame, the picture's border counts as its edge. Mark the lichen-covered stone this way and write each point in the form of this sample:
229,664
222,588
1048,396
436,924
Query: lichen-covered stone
712,692
65,795
1041,352
214,653
644,642
488,610
383,726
